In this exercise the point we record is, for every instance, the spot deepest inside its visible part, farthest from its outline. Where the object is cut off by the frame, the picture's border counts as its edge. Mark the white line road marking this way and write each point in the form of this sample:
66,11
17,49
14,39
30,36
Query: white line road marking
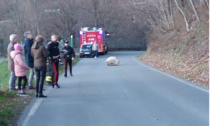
39,101
190,84
32,111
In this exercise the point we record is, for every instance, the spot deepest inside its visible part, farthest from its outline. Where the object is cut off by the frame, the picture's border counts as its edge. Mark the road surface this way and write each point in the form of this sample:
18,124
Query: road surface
132,94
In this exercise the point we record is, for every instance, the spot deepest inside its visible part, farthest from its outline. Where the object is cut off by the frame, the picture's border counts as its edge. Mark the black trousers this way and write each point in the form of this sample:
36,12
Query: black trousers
24,82
68,62
56,72
40,77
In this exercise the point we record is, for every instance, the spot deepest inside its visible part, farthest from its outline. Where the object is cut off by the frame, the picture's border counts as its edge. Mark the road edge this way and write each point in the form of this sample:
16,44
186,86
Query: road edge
174,77
31,109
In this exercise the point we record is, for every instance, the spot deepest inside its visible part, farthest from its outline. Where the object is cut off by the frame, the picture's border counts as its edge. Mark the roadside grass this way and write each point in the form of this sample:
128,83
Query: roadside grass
75,60
11,105
187,76
4,76
3,122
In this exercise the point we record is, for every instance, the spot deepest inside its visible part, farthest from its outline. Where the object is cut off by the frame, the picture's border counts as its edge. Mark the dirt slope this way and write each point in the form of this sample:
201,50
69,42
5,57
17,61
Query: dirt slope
181,53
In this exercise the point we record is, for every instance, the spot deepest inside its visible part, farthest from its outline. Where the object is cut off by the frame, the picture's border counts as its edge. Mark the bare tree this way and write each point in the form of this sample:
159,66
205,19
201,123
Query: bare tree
16,14
123,18
193,6
180,5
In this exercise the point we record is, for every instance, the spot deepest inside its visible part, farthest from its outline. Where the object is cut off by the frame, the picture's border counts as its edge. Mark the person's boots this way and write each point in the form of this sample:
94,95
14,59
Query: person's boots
40,91
36,95
65,74
41,95
57,86
37,90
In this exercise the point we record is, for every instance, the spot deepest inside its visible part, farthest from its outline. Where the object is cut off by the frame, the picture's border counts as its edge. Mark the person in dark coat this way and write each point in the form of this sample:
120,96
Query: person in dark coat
50,69
54,57
69,55
28,58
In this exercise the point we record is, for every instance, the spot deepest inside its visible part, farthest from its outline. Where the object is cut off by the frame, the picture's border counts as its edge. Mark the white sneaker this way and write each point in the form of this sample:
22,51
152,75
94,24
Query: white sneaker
95,57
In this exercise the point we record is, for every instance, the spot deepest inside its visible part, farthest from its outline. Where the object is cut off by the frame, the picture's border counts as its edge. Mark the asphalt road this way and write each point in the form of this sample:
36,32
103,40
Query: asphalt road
132,94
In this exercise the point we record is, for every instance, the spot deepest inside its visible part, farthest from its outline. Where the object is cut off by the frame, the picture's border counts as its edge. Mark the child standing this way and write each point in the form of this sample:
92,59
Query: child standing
20,68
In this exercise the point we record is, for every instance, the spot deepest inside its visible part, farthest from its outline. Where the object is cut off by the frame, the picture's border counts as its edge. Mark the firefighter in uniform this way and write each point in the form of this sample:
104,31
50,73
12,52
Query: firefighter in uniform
54,58
50,71
69,55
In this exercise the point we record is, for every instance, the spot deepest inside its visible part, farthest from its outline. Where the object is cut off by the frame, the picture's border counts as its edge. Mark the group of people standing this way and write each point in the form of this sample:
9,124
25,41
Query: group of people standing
37,59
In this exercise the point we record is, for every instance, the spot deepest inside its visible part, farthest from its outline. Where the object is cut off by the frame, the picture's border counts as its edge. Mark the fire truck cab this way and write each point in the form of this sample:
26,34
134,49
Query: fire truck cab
91,35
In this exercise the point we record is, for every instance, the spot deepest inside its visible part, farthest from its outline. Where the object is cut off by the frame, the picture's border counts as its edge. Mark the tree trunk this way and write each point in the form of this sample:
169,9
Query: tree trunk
184,15
193,6
206,2
171,13
95,6
165,15
36,2
96,19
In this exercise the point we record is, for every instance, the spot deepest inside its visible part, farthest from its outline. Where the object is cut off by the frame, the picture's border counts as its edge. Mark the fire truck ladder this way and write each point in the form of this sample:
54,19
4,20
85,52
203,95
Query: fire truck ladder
84,37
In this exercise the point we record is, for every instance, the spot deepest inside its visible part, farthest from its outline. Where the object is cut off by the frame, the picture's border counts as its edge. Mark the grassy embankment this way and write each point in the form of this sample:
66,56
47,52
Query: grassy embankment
11,105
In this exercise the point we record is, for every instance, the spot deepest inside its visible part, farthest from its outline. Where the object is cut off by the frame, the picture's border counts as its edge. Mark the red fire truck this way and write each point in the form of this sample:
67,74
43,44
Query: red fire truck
88,36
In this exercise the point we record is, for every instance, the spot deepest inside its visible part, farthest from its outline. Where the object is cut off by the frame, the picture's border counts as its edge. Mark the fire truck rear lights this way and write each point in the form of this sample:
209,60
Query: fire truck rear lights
81,32
101,32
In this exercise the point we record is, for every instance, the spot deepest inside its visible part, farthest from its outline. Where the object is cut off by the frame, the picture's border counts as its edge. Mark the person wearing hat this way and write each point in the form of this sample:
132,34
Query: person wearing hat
40,54
20,68
13,40
69,55
28,58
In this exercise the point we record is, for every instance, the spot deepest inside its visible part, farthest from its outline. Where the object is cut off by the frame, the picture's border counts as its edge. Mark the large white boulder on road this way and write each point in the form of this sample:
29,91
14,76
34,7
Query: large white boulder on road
112,61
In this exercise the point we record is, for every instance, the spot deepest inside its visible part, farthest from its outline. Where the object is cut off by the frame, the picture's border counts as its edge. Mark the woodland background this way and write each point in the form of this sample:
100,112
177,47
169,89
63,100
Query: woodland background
175,33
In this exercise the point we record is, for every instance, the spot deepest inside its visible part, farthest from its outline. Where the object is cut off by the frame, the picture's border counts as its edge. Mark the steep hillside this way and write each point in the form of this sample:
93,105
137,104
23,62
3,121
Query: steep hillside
181,53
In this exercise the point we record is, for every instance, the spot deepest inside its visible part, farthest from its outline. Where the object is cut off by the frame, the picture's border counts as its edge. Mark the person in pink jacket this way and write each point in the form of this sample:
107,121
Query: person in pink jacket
20,68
